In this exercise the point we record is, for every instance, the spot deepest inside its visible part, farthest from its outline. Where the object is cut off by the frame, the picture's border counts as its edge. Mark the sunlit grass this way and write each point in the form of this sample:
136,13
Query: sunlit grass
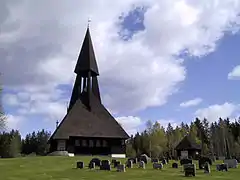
64,168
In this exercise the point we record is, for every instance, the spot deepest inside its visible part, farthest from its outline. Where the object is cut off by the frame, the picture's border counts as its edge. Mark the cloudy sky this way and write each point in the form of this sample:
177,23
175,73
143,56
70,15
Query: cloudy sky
167,61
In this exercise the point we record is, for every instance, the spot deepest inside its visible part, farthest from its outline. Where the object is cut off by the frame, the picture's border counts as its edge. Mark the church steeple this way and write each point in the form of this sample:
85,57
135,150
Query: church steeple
86,60
86,82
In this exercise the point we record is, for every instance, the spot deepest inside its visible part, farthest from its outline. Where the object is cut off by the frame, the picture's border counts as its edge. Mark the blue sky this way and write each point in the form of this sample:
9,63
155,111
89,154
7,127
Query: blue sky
206,76
137,42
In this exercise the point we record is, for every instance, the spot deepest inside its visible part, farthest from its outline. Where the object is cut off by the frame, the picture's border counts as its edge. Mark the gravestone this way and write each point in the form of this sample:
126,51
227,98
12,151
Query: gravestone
221,158
142,165
189,169
232,163
144,158
157,165
129,164
80,165
202,161
185,161
206,168
174,165
238,159
91,165
134,160
121,168
154,160
184,154
164,161
96,161
116,163
222,167
105,165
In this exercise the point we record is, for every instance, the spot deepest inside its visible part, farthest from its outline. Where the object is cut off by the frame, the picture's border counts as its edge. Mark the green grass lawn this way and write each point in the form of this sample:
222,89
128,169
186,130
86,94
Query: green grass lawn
63,168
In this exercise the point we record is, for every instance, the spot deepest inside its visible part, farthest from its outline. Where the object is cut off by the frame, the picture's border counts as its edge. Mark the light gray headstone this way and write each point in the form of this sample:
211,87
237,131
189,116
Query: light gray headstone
157,165
121,168
232,163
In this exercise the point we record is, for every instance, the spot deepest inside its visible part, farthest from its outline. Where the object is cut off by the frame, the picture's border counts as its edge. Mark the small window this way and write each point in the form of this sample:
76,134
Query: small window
104,143
91,143
84,143
77,143
98,143
61,145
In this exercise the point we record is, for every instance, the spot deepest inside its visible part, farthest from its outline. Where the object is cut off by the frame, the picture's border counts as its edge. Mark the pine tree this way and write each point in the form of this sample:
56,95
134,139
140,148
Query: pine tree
2,116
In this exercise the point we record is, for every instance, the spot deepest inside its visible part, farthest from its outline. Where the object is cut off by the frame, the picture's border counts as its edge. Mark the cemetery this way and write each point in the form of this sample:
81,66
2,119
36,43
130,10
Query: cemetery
81,167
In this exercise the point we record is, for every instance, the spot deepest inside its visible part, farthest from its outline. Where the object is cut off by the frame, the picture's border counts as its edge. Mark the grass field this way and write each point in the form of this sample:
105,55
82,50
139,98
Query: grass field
63,168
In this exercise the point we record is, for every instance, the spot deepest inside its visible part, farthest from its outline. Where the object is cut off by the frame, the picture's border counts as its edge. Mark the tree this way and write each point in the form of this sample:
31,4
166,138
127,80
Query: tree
170,139
10,144
2,116
36,143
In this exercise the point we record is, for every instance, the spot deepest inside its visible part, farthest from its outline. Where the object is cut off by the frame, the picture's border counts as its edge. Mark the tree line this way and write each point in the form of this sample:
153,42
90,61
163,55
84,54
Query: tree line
220,138
12,145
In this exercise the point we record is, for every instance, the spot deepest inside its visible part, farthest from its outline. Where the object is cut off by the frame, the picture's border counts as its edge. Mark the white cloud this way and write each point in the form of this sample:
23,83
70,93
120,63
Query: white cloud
10,100
214,112
40,42
164,123
130,124
235,73
14,122
193,102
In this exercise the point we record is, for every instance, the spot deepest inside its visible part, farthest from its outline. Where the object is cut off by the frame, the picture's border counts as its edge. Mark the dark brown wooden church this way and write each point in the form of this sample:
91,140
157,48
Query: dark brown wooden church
188,147
88,127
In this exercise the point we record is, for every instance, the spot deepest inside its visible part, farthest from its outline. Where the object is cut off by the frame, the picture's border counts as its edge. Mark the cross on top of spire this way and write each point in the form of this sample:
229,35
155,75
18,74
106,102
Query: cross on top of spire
89,21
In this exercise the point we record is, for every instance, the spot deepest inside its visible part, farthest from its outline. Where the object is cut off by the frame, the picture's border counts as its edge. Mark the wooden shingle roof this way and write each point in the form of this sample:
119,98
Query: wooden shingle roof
187,143
87,60
82,122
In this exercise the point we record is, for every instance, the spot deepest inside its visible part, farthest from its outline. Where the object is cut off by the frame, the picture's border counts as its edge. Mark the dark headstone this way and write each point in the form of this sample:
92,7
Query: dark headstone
206,168
105,165
185,161
202,161
164,161
142,165
174,165
189,169
222,167
96,161
91,165
80,165
116,163
129,164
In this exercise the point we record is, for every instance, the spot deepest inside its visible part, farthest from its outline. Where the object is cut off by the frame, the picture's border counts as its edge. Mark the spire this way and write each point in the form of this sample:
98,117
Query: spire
86,60
86,82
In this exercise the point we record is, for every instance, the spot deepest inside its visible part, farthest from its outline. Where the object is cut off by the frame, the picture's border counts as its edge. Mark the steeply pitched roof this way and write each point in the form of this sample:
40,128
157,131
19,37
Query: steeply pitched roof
187,143
95,123
86,60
